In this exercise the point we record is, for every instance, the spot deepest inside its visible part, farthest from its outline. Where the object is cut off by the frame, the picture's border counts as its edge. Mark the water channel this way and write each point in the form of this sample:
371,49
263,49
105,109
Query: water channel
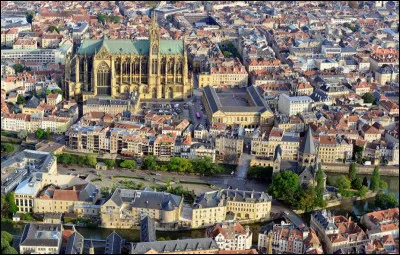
358,208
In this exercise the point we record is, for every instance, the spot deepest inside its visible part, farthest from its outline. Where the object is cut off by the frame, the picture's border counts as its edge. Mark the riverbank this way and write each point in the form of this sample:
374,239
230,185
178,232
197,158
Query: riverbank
344,169
344,200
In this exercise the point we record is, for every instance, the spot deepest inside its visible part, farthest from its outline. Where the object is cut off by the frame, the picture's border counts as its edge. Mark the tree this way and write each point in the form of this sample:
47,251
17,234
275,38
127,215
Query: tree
110,163
7,236
22,134
386,201
91,160
319,189
12,207
375,179
40,133
352,172
29,16
7,147
130,164
356,183
363,191
260,173
180,165
48,91
284,185
150,163
102,18
18,68
307,200
47,134
368,98
342,183
115,19
383,185
21,100
54,28
9,250
365,182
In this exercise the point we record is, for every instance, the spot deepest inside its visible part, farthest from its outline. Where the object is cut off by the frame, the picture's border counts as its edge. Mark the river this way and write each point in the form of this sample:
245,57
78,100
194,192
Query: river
358,207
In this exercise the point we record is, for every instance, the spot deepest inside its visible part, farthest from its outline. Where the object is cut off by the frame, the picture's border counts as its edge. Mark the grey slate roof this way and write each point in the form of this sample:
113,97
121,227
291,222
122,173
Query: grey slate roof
147,198
114,244
175,246
308,146
40,234
147,230
322,217
75,244
212,99
32,103
213,198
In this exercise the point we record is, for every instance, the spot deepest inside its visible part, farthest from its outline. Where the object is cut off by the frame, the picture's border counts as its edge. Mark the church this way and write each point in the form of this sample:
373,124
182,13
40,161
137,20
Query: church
151,69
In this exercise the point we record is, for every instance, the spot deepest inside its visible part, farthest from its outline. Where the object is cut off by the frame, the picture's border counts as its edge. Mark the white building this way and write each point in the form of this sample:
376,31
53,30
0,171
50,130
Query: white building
231,236
294,105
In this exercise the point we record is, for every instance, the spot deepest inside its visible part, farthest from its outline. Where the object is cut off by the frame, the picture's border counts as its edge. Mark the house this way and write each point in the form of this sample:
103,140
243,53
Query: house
231,236
41,238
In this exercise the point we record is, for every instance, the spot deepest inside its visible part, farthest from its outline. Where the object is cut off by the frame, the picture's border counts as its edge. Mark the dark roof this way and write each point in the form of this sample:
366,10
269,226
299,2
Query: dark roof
147,230
308,146
114,244
213,101
32,103
199,244
41,234
75,244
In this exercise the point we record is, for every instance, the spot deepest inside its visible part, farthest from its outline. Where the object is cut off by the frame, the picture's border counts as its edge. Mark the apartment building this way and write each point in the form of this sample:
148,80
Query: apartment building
26,192
126,208
113,106
231,236
382,223
338,232
283,238
228,144
334,148
381,56
164,147
9,36
51,41
39,238
212,207
25,44
387,74
264,145
294,105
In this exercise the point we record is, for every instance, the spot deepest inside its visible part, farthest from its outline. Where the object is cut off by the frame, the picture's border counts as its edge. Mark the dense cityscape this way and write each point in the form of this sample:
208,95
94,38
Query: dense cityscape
199,127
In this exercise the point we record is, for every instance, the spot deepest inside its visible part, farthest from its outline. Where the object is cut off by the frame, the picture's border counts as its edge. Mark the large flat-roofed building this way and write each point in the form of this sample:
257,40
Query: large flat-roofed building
39,238
14,169
186,246
153,68
253,114
108,105
294,105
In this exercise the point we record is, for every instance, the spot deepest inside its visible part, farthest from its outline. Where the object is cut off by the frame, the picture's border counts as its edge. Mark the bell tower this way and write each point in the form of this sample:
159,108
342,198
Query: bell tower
154,57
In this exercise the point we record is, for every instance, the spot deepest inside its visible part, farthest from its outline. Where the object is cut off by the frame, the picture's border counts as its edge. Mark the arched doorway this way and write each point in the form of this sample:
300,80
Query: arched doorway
170,93
154,93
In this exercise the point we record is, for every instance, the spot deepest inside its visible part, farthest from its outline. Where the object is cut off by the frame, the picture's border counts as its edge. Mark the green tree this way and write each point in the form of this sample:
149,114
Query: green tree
352,171
110,163
91,160
29,16
150,163
9,250
47,134
22,134
81,160
342,183
54,28
368,98
363,191
18,68
12,207
7,147
386,201
48,91
260,173
365,182
180,165
130,164
383,185
115,19
21,100
356,183
40,133
307,201
102,18
7,236
375,179
284,185
319,189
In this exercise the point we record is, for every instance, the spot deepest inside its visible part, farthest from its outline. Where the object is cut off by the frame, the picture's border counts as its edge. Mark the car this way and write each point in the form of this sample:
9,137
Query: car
157,174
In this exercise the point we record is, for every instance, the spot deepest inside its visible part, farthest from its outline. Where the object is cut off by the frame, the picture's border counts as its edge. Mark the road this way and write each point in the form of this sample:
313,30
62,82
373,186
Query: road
277,207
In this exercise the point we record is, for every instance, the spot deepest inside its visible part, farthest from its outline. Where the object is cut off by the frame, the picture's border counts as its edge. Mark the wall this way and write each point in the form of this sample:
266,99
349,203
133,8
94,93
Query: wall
341,168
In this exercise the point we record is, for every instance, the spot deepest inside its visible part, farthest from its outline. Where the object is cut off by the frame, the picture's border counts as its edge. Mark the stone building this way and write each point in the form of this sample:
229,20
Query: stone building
152,68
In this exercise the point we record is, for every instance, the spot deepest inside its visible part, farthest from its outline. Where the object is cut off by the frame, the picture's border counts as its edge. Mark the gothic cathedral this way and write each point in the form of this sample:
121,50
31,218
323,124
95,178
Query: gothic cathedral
154,68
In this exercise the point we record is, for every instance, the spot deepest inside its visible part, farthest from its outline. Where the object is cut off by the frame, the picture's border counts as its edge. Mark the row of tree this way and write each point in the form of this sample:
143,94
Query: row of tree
103,18
6,242
85,160
202,166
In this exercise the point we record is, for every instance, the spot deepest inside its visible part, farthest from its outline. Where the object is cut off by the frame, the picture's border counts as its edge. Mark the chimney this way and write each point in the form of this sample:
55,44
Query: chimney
350,219
73,188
